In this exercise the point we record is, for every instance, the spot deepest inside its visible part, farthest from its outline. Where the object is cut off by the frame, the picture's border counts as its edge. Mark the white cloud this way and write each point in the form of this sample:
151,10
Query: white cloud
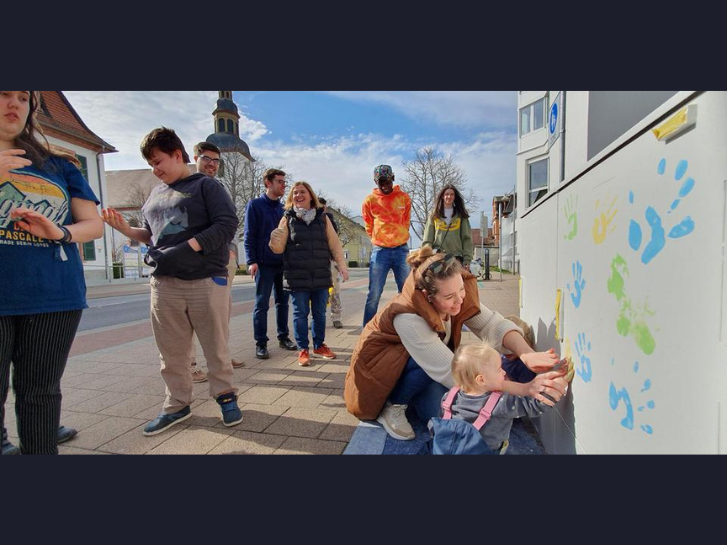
494,109
341,166
123,118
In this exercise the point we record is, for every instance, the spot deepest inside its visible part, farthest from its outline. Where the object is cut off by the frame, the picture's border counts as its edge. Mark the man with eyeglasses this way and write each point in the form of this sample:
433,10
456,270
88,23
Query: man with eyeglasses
207,157
262,216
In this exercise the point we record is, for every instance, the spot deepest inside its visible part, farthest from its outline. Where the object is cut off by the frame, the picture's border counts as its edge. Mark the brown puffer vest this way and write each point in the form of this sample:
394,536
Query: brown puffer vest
379,357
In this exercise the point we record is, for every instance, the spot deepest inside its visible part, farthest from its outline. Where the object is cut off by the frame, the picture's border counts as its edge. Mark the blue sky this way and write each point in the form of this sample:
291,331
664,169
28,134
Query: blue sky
332,139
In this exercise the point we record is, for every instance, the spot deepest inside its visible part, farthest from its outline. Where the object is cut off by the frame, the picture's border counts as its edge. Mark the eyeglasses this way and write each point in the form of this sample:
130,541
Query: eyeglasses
438,265
206,159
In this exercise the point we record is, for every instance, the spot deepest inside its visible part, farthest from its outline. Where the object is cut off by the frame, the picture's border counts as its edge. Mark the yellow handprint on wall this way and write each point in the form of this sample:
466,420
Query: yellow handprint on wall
602,224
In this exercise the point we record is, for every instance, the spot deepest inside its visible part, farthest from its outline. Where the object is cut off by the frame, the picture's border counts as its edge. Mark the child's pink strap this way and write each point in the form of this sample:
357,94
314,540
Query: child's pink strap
486,411
447,403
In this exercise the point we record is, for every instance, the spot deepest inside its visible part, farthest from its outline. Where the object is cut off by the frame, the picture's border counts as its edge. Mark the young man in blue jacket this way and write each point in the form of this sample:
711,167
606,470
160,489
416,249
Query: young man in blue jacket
262,215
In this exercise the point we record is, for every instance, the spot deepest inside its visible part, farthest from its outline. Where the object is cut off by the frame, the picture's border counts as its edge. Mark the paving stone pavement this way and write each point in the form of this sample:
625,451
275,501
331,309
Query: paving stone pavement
112,386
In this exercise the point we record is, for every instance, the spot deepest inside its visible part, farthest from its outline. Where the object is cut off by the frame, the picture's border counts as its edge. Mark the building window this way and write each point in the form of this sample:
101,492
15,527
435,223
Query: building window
89,251
532,117
537,180
230,127
221,125
84,165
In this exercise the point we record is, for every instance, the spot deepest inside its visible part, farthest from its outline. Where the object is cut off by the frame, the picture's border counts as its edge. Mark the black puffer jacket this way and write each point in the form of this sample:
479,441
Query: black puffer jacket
307,258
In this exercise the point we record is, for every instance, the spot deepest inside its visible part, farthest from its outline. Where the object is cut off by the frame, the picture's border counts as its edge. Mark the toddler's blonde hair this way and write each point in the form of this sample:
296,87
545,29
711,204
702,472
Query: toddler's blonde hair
467,363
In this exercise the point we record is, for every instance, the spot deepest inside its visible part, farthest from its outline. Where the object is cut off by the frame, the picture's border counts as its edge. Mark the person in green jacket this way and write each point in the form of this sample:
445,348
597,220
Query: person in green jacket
448,228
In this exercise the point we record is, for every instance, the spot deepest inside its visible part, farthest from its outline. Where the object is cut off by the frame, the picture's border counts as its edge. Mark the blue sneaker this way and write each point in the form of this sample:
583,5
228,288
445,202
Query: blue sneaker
66,434
231,413
165,421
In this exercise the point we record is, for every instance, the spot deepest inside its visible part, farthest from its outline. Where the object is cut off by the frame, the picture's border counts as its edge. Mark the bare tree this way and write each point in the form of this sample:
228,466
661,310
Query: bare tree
425,175
244,181
136,196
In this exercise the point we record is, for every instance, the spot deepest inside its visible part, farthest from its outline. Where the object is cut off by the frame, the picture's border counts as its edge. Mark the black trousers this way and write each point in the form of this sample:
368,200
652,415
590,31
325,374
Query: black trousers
38,346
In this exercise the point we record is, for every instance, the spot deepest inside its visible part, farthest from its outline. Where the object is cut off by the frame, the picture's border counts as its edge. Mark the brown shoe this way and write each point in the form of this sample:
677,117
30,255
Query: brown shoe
304,358
238,364
198,375
324,352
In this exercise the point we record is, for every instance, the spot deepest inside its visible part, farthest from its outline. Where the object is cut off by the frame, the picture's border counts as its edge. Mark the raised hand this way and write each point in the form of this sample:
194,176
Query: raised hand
538,362
10,159
114,219
553,384
36,223
277,236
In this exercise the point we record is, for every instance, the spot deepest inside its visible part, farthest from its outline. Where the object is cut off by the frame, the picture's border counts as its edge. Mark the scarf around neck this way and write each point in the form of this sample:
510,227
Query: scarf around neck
306,215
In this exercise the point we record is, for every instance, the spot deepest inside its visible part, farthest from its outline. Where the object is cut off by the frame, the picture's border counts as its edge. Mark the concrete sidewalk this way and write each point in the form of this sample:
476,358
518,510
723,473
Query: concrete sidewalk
112,386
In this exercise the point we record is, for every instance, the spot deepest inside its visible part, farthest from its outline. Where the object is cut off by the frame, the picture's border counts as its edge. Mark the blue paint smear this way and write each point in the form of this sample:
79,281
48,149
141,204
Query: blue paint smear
648,429
647,385
681,169
615,397
657,242
635,235
662,166
685,227
687,187
631,197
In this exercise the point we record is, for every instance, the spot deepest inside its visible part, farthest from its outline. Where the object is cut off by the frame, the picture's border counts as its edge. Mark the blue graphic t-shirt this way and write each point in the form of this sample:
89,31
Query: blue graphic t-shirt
36,278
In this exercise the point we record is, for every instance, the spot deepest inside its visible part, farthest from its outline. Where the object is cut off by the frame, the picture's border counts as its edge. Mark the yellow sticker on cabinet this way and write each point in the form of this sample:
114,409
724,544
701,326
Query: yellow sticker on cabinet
558,308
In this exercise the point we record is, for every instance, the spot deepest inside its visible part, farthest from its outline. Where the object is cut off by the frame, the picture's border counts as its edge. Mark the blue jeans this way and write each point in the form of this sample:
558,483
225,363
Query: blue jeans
316,302
416,388
383,260
267,279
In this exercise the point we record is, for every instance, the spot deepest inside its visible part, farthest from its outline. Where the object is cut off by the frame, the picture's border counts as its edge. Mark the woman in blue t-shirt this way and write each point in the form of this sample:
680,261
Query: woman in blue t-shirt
46,209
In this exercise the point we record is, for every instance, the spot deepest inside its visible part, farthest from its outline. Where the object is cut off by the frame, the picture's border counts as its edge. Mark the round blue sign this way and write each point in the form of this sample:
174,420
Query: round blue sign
553,117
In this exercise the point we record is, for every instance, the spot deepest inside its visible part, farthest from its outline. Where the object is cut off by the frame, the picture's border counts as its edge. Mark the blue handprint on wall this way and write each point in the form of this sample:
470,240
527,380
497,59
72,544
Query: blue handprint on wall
654,220
617,396
583,348
578,284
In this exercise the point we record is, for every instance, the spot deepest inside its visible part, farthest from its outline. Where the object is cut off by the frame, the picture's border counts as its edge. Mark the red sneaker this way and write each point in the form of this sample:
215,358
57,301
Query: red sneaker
324,352
303,358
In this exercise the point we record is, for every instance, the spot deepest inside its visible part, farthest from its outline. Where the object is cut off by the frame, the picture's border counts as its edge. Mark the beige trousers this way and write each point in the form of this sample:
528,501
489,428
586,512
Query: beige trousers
179,309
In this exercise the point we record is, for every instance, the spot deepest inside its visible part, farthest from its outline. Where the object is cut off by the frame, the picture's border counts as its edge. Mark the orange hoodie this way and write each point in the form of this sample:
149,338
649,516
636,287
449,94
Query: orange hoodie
387,217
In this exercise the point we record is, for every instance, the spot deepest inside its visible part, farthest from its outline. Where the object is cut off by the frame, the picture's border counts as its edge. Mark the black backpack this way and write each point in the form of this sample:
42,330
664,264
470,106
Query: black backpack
450,436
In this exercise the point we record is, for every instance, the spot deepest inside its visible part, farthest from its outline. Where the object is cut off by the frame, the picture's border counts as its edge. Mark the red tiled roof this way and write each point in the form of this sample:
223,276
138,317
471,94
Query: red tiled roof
59,119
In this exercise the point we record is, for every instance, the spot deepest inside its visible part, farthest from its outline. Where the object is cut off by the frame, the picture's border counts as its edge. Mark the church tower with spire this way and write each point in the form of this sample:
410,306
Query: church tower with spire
227,127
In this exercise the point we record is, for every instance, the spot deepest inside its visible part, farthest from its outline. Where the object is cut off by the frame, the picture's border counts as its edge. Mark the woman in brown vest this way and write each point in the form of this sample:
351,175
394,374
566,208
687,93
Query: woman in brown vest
405,352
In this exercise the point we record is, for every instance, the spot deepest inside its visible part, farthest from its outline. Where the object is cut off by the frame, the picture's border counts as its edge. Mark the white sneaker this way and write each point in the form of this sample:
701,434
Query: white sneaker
393,419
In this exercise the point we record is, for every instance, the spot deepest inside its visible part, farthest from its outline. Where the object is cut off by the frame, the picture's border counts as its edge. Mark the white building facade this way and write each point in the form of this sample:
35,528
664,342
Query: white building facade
621,234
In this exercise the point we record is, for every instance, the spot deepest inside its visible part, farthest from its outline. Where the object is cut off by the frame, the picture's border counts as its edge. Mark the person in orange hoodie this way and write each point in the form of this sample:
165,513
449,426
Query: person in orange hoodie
387,215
